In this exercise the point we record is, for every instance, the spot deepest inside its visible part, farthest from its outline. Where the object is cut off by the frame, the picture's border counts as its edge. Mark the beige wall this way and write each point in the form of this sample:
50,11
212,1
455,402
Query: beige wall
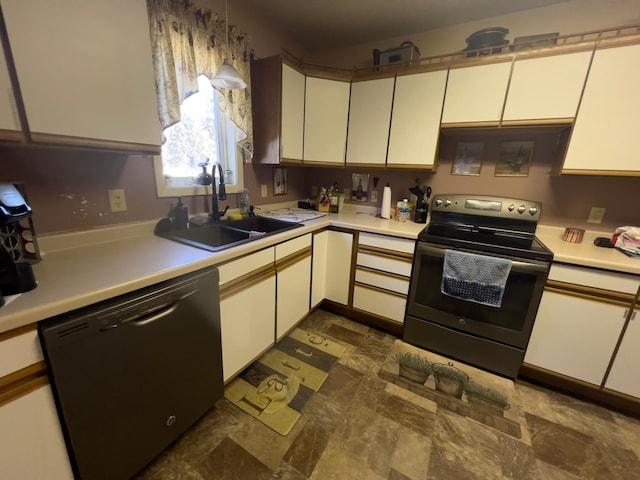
566,18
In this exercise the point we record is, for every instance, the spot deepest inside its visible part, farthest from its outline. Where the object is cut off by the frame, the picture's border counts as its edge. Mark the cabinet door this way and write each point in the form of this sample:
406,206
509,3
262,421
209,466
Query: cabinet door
292,132
574,336
623,376
476,94
325,121
85,68
546,88
415,123
247,320
331,274
369,117
293,295
31,441
9,119
605,134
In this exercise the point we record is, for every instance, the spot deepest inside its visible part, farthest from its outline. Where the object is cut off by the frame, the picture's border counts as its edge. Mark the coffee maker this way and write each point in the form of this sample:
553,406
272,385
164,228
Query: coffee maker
18,246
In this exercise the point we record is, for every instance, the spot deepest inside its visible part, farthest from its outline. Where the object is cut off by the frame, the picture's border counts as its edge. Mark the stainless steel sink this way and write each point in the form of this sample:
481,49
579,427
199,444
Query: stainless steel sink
228,233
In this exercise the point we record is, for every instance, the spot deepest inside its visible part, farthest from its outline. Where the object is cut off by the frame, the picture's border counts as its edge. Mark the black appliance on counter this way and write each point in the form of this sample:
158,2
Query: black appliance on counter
132,374
18,246
491,337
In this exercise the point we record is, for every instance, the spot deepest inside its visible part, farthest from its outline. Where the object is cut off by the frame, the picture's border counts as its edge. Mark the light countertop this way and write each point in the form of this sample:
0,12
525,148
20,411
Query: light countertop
82,268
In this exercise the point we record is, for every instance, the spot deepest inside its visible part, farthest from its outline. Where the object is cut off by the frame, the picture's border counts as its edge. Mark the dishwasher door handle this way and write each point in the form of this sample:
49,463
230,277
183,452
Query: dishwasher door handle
155,312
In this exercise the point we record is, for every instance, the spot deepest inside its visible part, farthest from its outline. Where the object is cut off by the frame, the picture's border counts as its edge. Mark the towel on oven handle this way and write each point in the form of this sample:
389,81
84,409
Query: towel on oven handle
475,278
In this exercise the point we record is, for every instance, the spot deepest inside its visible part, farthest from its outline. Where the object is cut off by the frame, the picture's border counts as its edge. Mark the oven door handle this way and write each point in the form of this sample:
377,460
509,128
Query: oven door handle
516,265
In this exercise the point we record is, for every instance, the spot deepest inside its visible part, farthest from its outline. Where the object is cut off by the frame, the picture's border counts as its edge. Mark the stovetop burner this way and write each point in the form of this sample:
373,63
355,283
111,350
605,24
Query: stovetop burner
498,225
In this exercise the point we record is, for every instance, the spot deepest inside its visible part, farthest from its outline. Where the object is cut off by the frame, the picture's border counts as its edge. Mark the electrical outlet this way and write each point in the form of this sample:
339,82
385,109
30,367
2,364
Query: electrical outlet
596,215
117,200
374,196
263,190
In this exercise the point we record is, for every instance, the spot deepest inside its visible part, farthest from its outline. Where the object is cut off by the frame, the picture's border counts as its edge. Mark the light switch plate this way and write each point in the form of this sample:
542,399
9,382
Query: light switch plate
374,196
263,190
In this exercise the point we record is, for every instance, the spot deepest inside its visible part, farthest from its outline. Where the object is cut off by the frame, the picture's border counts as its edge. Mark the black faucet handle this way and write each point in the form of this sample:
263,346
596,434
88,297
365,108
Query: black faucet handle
223,212
222,192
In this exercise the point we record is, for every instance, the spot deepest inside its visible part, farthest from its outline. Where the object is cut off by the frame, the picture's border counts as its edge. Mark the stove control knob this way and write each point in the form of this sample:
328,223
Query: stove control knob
438,202
533,211
521,208
511,207
447,203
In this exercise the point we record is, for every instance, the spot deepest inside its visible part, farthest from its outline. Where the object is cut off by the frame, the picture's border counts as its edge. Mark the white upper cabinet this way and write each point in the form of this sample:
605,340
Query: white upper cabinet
9,119
476,94
369,118
605,137
85,69
547,87
325,121
292,133
415,123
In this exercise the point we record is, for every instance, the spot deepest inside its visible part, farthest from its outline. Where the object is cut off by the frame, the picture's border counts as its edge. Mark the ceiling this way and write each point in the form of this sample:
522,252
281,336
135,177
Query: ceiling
323,24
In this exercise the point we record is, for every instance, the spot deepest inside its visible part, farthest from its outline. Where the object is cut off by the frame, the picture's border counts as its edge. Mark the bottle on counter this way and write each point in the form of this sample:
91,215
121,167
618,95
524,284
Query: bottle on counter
180,215
243,201
334,199
404,210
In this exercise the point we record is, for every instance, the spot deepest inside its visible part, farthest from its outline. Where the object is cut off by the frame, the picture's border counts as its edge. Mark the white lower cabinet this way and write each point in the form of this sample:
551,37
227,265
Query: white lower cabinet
293,267
575,336
331,273
247,309
623,376
31,442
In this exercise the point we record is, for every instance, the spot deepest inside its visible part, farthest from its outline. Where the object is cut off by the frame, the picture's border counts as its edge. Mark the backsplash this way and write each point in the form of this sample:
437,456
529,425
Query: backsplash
67,189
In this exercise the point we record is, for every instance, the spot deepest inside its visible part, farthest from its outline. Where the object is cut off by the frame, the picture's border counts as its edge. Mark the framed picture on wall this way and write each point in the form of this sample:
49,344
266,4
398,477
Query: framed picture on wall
359,186
468,159
279,181
515,159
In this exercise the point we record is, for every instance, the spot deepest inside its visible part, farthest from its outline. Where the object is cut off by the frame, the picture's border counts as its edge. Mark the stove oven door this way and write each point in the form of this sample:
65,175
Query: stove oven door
509,324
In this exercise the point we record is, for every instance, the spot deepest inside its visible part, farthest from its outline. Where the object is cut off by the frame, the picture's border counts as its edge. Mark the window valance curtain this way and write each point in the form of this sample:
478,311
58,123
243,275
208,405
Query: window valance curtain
187,42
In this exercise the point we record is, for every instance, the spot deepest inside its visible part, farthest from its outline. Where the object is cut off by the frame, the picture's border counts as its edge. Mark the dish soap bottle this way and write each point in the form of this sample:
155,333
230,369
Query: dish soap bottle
334,199
180,215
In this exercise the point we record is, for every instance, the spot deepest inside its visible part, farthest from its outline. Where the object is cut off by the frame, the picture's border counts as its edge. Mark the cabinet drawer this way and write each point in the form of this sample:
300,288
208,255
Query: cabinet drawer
242,266
379,303
292,246
19,351
380,280
404,245
386,264
617,282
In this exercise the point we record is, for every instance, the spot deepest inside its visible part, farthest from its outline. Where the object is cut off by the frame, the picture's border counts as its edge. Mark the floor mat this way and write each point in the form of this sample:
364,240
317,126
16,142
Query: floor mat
275,388
468,391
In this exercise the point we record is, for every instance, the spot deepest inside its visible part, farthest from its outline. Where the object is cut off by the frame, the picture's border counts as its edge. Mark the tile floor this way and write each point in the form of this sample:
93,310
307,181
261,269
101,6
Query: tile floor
361,427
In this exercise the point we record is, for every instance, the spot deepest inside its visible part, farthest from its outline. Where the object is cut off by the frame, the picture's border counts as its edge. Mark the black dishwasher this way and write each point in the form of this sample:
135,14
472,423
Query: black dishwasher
132,373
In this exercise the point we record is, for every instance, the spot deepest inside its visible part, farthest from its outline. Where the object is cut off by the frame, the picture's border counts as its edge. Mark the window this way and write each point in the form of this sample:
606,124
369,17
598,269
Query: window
204,132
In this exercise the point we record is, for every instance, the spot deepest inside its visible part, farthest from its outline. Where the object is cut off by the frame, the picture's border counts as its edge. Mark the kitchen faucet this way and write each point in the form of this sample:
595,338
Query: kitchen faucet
216,214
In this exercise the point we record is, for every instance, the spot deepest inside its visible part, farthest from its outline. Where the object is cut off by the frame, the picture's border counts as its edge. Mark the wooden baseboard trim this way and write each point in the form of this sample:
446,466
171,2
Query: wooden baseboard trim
380,323
585,391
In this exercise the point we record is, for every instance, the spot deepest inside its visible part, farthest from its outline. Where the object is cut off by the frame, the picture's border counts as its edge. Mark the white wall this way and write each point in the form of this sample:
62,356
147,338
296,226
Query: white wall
566,18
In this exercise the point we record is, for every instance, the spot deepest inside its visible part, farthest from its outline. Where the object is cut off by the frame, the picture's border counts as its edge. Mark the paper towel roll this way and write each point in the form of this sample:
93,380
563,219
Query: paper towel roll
385,209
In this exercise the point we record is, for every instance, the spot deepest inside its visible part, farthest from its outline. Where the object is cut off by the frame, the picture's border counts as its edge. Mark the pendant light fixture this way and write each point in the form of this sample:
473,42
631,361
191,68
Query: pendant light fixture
227,76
